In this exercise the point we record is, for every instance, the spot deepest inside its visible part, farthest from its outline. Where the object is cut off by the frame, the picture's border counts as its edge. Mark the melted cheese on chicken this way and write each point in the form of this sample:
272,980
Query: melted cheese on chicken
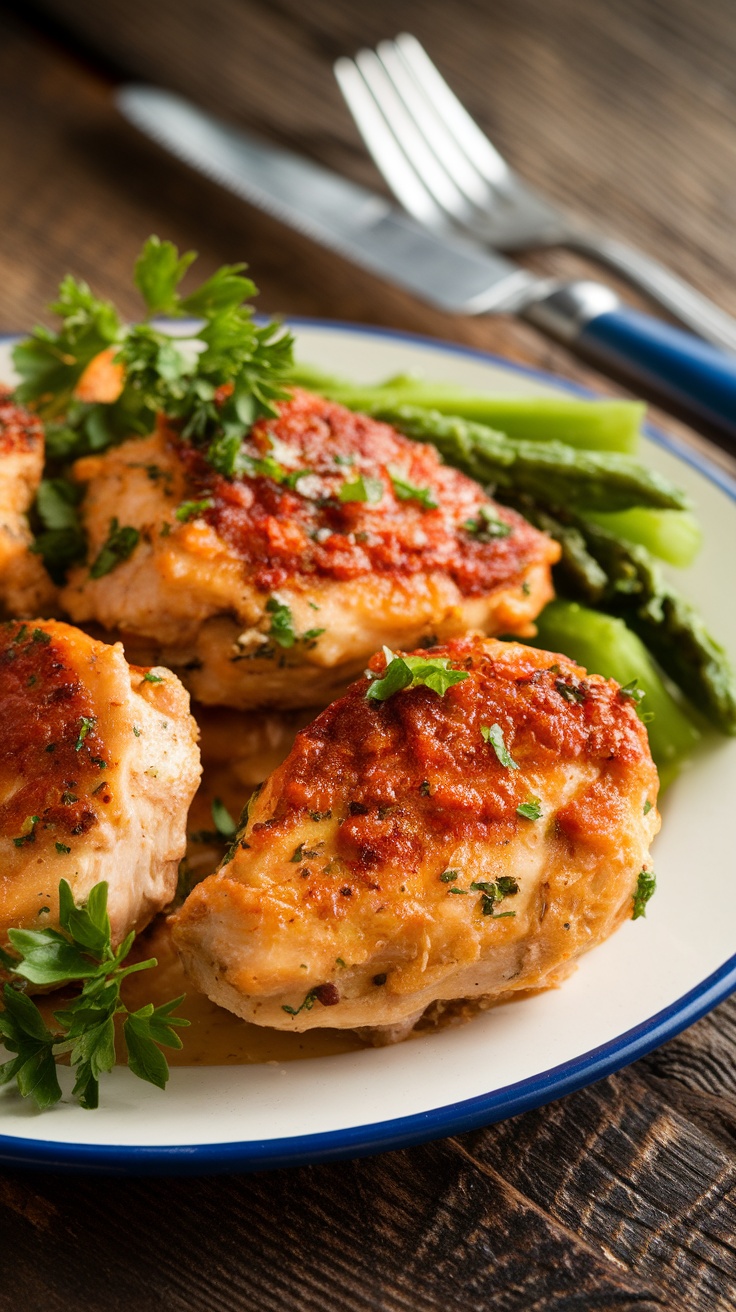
386,865
274,587
98,765
25,587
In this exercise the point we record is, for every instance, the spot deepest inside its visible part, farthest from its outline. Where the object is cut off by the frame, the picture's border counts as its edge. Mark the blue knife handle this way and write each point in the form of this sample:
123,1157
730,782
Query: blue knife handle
685,369
649,353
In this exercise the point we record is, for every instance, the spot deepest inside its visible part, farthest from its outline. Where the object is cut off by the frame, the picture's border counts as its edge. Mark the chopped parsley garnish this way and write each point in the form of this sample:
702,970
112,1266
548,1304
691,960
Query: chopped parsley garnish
487,525
493,734
632,691
40,635
570,692
645,887
412,672
150,677
62,847
301,853
531,810
27,831
407,491
161,373
136,730
464,891
79,951
86,725
282,624
362,488
424,788
647,806
191,509
120,544
449,876
493,892
306,1005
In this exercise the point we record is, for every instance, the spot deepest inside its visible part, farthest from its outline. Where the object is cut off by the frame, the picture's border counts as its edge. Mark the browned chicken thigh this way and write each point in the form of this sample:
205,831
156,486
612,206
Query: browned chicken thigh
273,587
98,765
427,848
25,587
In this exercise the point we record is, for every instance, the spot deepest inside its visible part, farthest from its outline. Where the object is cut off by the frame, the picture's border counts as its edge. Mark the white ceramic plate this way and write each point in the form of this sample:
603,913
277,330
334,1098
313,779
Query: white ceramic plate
654,977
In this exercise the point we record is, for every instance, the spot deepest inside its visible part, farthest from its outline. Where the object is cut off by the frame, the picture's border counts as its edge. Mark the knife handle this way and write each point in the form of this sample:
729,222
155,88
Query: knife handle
646,351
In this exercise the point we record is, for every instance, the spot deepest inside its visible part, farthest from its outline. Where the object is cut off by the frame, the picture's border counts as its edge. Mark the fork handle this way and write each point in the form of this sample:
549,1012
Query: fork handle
672,293
645,351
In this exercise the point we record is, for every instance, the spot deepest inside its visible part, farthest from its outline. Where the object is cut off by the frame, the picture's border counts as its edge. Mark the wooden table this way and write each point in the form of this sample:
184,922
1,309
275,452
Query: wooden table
621,1195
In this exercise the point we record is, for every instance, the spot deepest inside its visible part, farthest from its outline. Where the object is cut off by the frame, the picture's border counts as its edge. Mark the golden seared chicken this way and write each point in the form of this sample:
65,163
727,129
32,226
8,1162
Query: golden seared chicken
25,587
272,588
98,764
426,848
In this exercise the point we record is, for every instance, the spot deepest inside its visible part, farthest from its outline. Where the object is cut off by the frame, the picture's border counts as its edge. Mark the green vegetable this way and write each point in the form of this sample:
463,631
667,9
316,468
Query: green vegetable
672,535
645,887
86,725
411,672
80,950
406,491
596,425
175,376
493,734
604,645
120,544
150,677
362,488
549,471
623,579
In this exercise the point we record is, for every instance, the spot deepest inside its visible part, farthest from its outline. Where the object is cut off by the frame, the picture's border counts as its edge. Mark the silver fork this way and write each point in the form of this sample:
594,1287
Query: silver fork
449,176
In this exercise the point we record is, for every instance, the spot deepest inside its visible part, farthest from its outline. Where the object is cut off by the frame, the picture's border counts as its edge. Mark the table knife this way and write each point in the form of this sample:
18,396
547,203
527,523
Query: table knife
450,273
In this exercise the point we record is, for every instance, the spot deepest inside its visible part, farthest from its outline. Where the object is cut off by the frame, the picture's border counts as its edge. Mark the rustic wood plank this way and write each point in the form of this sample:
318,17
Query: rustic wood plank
622,1195
620,1167
418,1231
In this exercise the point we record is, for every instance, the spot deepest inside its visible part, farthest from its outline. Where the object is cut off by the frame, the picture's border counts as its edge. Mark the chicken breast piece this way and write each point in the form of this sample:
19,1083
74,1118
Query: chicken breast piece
386,865
273,588
25,587
98,765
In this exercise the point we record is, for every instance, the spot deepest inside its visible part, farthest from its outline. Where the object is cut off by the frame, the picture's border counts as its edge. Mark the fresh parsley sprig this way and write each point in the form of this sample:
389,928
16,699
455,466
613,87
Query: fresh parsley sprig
216,381
79,951
401,672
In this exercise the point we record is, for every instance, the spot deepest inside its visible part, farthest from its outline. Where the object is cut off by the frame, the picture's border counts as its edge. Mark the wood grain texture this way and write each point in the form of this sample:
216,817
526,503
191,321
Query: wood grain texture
622,1195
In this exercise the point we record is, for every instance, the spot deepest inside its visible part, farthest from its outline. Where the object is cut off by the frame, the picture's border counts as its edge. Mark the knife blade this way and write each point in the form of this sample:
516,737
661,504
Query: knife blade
348,218
449,272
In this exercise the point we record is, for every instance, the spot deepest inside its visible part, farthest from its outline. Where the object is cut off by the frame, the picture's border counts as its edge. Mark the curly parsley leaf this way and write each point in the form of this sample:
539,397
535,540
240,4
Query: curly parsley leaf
61,541
493,734
121,543
215,382
411,672
645,888
80,951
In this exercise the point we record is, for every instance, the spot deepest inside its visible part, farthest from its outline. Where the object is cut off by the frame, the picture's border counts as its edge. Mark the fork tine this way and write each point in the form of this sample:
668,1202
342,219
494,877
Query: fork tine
390,160
410,138
474,185
474,143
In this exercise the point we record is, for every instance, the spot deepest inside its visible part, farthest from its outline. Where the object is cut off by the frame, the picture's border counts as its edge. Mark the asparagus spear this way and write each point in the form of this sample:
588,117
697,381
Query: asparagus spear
549,471
622,578
672,535
604,645
608,425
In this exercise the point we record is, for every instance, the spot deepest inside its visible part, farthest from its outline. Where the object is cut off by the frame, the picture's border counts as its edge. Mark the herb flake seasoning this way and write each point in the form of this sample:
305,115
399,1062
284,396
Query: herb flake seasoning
493,734
645,888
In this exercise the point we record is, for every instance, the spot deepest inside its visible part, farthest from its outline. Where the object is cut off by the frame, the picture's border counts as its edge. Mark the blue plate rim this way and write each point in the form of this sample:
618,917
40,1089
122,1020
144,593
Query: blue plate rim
455,1118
